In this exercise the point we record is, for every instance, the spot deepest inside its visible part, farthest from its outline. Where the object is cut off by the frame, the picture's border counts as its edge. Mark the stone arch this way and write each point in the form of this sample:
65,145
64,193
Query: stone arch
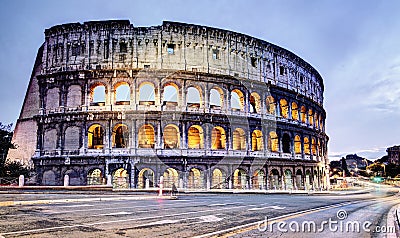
297,144
218,138
195,178
271,105
286,141
240,178
313,146
53,98
216,98
120,178
147,94
307,145
50,139
295,111
288,179
218,179
239,139
72,138
74,96
170,94
258,179
274,179
49,178
194,97
171,176
74,177
310,117
255,103
146,136
171,137
299,179
95,177
237,100
303,114
97,94
95,137
273,142
284,108
122,93
146,178
195,137
257,140
120,136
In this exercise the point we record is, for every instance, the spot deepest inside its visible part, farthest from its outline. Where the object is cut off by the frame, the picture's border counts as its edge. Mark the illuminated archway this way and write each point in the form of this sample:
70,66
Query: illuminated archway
284,107
273,142
95,177
120,136
195,137
258,179
146,137
255,103
271,105
306,146
120,178
171,137
310,117
295,111
95,137
288,179
146,178
239,139
297,144
257,140
218,179
195,179
313,146
240,179
274,179
218,138
303,114
170,177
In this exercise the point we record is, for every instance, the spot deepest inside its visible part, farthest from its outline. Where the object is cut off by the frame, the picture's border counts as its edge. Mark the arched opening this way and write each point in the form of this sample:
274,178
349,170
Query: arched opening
284,107
313,146
95,177
297,144
255,103
122,94
146,137
271,105
98,95
216,98
170,177
310,117
49,178
171,137
288,179
273,142
299,179
319,148
170,96
218,138
193,98
95,137
195,179
146,178
239,139
239,179
286,143
258,179
316,121
195,137
120,178
257,140
295,111
218,179
274,179
237,100
74,177
306,145
308,182
74,98
146,94
303,114
120,136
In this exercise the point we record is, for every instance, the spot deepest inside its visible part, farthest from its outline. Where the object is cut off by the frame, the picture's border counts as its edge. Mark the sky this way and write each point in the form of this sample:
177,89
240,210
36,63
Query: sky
354,45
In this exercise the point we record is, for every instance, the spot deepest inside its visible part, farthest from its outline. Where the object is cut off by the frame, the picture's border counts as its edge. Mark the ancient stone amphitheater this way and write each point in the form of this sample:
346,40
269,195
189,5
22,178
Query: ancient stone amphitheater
111,103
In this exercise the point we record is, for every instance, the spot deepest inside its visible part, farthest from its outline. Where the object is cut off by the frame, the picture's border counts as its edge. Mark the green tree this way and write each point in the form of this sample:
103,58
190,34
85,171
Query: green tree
5,144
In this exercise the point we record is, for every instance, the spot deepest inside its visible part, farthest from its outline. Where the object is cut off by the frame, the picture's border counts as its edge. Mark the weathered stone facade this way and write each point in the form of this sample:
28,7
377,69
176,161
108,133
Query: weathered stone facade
203,107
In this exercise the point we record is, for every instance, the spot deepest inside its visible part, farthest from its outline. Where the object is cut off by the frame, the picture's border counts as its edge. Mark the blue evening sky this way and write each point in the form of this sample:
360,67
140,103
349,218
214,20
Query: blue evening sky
355,45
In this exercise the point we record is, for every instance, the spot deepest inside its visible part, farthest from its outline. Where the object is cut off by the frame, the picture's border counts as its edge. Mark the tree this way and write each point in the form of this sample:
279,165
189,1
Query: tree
9,168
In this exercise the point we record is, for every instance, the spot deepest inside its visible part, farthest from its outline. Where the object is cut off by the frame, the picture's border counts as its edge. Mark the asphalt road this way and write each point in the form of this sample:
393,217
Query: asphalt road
206,215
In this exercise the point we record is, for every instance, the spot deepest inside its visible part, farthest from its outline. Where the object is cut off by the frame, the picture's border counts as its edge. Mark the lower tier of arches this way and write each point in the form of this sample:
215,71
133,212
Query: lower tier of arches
184,172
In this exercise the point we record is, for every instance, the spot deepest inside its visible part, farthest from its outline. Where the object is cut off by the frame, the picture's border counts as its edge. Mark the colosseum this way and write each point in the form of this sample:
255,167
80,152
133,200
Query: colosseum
204,108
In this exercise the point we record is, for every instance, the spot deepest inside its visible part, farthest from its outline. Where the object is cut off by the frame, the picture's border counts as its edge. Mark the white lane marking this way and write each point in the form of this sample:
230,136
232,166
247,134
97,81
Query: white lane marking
162,222
112,214
210,218
79,205
117,221
262,208
217,204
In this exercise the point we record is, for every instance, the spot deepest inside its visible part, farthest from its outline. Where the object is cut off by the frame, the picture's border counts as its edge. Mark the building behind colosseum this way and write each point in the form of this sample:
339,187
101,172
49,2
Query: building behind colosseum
111,103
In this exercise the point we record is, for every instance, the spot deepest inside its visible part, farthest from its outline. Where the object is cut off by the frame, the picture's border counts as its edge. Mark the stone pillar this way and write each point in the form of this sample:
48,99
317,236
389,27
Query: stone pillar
109,180
21,181
66,180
